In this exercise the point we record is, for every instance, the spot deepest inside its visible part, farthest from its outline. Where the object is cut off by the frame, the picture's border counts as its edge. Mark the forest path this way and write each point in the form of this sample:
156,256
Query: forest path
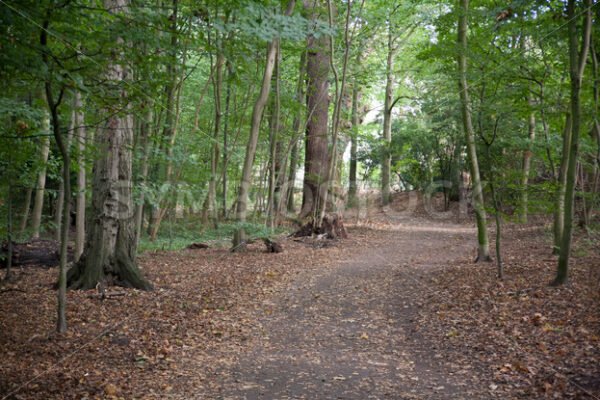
351,331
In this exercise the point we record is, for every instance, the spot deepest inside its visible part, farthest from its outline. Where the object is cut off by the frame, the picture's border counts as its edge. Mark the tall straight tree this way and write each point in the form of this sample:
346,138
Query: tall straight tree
316,156
80,133
110,256
38,202
483,251
577,60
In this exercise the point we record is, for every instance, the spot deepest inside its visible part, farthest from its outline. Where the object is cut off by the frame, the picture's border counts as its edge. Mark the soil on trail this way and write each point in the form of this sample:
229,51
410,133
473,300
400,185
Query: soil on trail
351,330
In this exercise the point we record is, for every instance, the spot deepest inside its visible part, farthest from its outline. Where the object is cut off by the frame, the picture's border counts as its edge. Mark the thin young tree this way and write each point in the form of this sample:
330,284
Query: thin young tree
577,61
483,251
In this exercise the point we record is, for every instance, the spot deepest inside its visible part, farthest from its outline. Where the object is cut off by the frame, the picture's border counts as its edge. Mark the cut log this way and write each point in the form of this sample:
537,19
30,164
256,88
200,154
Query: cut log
198,246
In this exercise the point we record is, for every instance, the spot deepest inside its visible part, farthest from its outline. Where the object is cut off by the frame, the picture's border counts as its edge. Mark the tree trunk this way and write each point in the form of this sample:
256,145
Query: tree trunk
9,222
352,189
244,188
527,165
80,139
559,213
296,132
26,208
483,251
316,157
225,152
577,61
60,200
387,122
110,252
274,144
145,139
214,151
38,202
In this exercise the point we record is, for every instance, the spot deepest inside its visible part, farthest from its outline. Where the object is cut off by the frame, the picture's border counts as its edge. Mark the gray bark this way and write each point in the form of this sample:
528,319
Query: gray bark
110,255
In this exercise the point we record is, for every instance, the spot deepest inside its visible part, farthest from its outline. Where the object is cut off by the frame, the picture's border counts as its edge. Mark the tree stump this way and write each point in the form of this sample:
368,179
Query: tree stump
332,227
273,246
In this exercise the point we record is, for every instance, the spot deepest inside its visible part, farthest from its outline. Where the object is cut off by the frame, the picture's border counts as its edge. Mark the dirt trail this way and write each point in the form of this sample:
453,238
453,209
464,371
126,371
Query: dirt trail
352,331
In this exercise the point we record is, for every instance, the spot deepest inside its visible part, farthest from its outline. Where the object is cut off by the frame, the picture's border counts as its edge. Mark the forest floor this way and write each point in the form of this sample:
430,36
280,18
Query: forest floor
397,311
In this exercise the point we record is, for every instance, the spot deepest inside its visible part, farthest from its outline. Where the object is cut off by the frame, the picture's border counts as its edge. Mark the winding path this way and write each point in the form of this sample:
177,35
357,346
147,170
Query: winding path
352,331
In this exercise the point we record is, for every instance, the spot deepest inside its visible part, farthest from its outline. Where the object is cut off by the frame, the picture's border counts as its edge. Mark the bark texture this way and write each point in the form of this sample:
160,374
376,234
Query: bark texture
316,157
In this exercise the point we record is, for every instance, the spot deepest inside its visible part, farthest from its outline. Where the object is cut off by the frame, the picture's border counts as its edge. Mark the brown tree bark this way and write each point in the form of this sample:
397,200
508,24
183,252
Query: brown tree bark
316,157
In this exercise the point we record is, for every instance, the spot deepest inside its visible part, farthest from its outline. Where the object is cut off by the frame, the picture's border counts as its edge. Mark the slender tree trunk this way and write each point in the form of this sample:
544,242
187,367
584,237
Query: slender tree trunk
559,213
214,152
387,122
38,202
527,165
577,61
9,222
61,188
296,132
26,208
146,140
274,143
80,139
244,188
225,155
53,104
352,189
110,255
61,324
483,252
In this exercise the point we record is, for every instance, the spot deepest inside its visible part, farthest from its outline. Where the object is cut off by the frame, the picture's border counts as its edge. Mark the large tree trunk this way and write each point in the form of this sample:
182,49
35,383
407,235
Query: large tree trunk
577,61
244,188
483,252
38,202
316,157
110,252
